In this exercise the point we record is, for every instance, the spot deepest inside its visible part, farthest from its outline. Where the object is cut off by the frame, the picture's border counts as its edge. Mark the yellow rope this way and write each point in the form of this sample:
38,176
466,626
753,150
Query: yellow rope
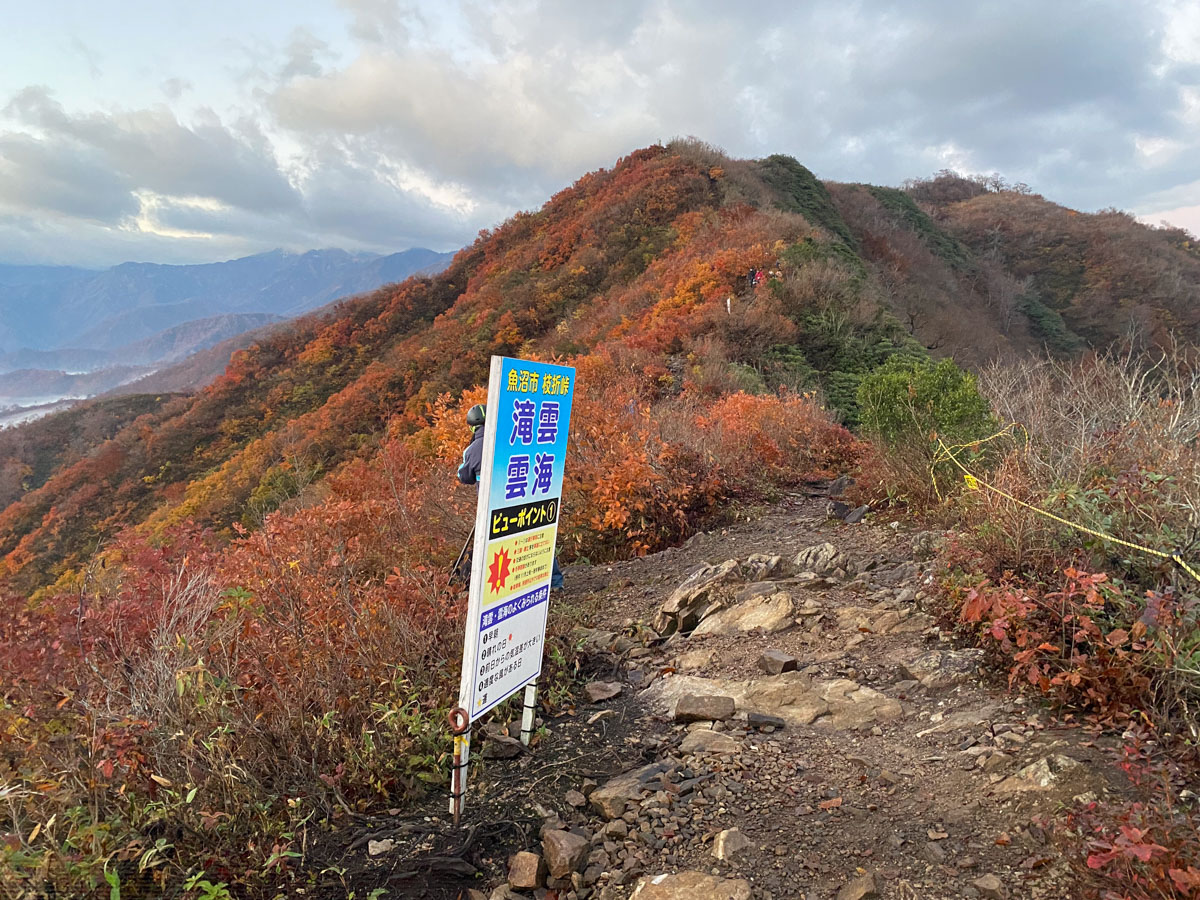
974,482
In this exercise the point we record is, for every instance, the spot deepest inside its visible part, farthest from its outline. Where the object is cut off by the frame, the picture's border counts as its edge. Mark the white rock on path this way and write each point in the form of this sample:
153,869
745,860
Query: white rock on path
730,845
1041,775
378,848
823,559
705,741
770,614
691,660
695,597
691,886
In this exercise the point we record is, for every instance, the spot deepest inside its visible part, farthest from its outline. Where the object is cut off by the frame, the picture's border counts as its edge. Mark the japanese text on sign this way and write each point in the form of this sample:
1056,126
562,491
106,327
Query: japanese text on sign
525,447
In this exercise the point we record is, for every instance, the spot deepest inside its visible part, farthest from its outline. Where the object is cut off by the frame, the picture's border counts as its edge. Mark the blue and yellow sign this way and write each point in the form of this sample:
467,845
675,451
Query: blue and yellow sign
520,490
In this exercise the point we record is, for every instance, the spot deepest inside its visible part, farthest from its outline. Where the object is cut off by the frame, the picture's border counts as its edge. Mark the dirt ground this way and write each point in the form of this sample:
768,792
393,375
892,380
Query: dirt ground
887,764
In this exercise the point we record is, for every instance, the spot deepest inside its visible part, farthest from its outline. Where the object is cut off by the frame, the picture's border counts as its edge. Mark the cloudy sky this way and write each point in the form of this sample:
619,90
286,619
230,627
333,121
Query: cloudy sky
185,132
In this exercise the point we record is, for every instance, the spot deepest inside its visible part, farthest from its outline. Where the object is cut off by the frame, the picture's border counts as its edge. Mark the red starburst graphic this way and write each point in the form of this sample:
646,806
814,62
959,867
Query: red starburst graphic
498,571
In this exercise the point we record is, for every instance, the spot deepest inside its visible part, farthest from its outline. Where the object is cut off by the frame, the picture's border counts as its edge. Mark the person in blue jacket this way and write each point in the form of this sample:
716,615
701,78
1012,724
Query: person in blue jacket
468,473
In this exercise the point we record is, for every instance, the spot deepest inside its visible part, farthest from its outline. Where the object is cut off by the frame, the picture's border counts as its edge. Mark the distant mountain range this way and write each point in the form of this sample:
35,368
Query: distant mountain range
70,332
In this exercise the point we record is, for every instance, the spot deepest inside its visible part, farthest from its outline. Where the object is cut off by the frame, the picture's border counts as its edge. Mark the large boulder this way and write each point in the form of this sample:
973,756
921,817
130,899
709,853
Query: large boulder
691,886
695,597
794,697
823,559
769,614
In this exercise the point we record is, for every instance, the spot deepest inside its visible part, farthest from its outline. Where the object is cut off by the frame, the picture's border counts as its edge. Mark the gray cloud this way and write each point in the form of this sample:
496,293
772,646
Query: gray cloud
231,164
437,123
62,181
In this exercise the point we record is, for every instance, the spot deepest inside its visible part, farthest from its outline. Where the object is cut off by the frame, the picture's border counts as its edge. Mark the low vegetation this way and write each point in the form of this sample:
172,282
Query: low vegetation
1101,628
228,620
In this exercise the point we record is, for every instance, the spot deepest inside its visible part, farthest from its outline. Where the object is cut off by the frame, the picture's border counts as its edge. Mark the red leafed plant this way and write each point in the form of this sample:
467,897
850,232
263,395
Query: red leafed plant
1146,849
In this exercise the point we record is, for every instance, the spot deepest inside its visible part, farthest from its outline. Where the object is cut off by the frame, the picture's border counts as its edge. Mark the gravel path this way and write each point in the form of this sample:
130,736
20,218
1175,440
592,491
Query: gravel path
864,756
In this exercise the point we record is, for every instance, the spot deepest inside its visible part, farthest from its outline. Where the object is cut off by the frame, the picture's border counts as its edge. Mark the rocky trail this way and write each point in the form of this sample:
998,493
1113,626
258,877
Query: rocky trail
774,715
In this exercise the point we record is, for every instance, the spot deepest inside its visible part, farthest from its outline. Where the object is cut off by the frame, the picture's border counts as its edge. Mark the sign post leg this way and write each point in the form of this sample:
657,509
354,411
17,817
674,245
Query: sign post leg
461,728
528,712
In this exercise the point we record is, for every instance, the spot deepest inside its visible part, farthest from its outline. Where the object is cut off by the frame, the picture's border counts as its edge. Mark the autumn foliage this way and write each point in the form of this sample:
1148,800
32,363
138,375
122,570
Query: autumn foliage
228,618
233,618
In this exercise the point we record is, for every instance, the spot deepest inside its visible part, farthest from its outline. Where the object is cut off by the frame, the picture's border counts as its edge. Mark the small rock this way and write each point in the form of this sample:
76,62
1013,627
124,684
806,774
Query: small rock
856,515
840,485
925,544
694,659
836,509
598,691
764,721
1048,769
989,886
565,852
499,746
378,848
709,708
616,829
775,662
730,844
758,566
996,762
526,871
575,799
859,888
610,799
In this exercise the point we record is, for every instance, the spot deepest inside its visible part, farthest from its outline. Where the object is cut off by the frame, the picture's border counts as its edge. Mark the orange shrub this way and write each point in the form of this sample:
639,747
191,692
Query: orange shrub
759,443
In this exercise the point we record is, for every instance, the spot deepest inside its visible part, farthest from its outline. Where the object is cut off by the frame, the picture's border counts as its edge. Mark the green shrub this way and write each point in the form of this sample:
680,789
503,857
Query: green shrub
905,405
908,400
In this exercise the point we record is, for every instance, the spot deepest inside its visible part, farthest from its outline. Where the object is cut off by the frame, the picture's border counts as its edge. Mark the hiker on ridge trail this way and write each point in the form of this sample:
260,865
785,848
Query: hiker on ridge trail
468,473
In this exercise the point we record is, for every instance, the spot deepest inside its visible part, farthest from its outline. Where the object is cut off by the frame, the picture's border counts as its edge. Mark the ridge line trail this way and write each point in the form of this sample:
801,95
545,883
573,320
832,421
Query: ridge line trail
884,765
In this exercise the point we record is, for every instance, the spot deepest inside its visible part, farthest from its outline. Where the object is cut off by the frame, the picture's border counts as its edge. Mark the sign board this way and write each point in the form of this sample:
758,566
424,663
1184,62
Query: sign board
516,526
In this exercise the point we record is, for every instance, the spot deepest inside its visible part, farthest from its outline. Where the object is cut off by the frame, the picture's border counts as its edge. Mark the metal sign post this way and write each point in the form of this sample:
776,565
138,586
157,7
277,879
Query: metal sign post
516,527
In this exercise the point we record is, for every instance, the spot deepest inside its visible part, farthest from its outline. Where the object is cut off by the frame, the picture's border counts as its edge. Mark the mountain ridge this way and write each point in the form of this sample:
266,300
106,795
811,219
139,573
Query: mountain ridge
639,271
107,309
